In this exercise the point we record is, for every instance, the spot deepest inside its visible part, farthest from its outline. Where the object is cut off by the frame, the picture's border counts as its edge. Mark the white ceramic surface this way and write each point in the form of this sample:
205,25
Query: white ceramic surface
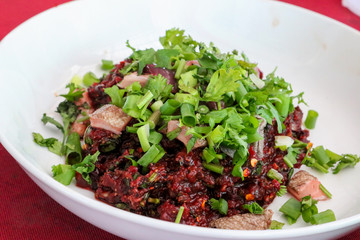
316,54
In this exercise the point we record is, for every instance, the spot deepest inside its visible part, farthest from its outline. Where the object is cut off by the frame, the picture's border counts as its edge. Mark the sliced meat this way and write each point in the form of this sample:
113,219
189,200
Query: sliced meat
246,221
133,77
168,74
110,117
303,184
173,124
79,127
84,100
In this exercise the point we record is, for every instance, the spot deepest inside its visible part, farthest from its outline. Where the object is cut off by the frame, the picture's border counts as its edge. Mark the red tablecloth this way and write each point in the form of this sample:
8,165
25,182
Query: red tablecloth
26,212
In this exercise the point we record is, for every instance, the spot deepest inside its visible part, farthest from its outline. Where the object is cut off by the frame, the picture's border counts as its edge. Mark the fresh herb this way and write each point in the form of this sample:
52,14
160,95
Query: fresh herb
52,144
254,208
220,205
63,173
86,166
276,225
74,93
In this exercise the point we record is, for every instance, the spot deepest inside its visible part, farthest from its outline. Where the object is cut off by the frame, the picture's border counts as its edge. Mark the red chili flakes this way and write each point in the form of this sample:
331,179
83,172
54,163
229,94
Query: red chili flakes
275,166
203,204
246,172
249,197
253,162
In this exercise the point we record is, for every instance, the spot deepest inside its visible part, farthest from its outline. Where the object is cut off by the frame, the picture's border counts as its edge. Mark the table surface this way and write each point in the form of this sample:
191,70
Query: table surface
26,212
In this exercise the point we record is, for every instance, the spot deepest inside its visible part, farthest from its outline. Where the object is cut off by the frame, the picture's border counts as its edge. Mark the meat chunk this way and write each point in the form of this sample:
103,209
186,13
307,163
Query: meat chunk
246,221
79,127
168,74
173,124
133,77
303,184
110,117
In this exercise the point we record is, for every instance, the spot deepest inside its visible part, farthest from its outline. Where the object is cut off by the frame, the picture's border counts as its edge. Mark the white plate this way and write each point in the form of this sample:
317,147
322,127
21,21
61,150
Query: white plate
316,54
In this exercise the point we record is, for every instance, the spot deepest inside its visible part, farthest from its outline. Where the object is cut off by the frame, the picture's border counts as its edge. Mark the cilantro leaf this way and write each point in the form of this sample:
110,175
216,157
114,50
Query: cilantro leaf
143,57
74,93
86,166
158,87
254,208
221,82
164,57
52,144
116,95
221,205
46,119
63,173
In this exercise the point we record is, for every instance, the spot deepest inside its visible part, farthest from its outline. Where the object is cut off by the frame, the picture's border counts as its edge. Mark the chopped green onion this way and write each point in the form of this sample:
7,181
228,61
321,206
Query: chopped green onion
273,174
213,167
190,144
308,213
291,209
154,119
73,149
153,177
173,134
209,154
131,129
130,106
203,109
143,135
324,190
180,68
311,118
90,78
283,105
150,156
179,215
320,155
283,142
323,217
156,105
153,200
169,107
282,191
155,137
83,119
276,225
217,135
188,114
160,155
107,64
145,99
257,81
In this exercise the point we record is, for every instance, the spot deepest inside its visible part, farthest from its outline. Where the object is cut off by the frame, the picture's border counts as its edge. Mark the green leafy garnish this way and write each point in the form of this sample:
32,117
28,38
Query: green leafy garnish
74,93
52,144
63,173
220,205
254,208
86,166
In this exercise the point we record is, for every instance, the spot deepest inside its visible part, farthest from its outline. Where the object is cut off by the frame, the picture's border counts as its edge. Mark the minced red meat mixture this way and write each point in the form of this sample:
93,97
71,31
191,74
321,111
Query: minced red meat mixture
179,179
